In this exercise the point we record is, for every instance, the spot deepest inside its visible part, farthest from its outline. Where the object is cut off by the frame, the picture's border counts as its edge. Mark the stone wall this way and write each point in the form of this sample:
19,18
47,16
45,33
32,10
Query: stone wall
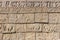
29,20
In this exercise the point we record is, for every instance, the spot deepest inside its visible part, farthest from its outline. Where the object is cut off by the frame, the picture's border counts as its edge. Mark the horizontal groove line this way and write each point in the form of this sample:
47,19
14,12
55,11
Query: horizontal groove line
29,12
29,23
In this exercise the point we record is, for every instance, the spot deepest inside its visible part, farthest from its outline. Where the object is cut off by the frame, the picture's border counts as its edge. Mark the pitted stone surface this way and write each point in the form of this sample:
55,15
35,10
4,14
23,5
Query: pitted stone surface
20,28
41,17
29,19
51,28
34,27
30,36
54,18
3,18
8,28
6,36
47,36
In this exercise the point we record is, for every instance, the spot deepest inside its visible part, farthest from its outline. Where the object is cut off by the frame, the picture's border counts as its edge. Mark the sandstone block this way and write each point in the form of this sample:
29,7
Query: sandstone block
13,36
6,37
47,36
29,36
1,35
25,18
28,18
27,10
38,9
4,10
34,27
13,10
51,28
20,28
12,18
1,28
54,9
44,9
19,18
20,36
3,18
54,18
41,17
8,28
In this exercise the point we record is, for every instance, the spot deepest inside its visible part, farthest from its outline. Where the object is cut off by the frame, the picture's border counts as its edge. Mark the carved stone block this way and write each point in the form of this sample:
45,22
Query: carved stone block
20,36
30,36
47,36
54,18
12,18
34,27
41,17
6,36
3,18
8,28
20,28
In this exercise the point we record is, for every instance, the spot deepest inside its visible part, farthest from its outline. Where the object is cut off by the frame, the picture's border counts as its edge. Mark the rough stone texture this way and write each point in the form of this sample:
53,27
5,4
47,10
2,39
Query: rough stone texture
29,19
25,18
6,36
1,36
20,28
51,28
30,36
41,17
26,10
34,27
47,36
19,18
4,10
3,18
1,28
8,28
11,18
13,37
38,9
54,18
20,36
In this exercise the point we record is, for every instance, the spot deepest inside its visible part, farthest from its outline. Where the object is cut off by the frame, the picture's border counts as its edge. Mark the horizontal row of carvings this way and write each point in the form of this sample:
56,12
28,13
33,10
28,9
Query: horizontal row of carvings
30,4
26,28
27,9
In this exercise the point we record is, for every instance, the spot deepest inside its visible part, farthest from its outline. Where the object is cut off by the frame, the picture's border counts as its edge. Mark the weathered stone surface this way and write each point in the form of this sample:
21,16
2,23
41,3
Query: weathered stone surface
30,36
3,18
19,18
34,27
47,36
1,36
42,0
6,36
54,18
25,18
41,17
28,18
12,18
4,10
1,28
20,36
38,9
44,9
13,36
8,28
20,28
13,10
53,9
26,10
51,28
